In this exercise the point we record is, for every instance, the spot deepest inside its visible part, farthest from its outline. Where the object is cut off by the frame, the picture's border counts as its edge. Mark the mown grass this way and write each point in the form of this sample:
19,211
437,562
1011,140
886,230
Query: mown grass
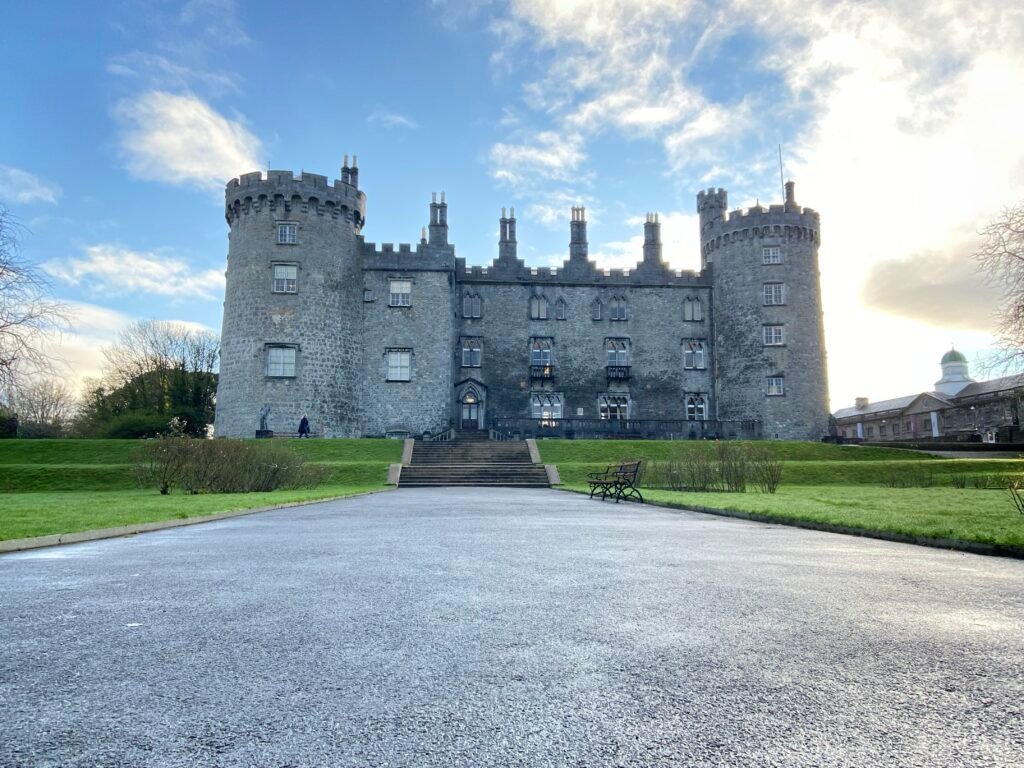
805,463
64,486
36,466
984,516
41,514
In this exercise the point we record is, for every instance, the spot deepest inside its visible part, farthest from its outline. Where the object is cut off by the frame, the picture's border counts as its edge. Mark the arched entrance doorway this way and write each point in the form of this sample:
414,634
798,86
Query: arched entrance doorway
472,410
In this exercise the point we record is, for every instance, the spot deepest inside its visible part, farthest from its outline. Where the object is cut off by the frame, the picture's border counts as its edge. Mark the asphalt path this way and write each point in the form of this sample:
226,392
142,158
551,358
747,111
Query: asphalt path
472,627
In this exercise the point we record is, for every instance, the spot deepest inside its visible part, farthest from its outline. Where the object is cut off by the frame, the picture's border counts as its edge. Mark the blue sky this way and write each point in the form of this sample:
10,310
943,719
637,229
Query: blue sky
900,124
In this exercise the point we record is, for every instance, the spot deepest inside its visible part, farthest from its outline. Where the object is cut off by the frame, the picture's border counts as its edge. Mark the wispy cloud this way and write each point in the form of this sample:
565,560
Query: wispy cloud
156,72
391,119
545,155
895,115
181,139
111,270
18,186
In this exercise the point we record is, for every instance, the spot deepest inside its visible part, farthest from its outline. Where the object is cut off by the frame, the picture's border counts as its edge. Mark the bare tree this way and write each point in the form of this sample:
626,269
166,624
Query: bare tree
42,404
27,313
1001,259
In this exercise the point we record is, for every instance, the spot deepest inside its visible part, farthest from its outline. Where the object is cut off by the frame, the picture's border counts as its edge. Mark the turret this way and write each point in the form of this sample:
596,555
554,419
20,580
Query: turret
438,221
578,235
955,375
292,298
711,205
507,237
652,239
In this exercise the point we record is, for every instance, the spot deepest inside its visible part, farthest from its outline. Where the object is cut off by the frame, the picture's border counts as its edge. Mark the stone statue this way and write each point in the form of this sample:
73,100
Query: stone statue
833,426
264,412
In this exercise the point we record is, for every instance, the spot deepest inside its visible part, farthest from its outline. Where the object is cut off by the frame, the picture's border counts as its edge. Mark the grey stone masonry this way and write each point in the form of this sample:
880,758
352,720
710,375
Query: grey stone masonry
470,345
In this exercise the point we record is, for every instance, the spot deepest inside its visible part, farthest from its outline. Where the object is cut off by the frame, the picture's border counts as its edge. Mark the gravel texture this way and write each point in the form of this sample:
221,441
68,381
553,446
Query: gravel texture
472,627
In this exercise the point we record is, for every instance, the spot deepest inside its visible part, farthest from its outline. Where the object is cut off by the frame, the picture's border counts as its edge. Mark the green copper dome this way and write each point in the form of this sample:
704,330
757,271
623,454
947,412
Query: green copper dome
953,357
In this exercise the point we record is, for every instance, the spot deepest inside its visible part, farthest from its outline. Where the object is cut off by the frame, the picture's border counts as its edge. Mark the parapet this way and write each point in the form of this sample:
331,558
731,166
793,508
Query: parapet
789,222
284,192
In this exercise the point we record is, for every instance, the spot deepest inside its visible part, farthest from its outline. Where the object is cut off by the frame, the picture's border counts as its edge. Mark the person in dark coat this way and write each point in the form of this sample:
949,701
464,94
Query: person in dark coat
304,427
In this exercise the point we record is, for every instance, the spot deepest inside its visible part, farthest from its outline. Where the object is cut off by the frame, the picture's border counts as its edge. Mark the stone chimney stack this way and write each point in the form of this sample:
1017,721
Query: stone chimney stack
578,234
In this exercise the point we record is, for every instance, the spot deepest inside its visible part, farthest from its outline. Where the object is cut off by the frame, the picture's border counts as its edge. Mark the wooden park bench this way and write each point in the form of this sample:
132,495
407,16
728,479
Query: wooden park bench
618,481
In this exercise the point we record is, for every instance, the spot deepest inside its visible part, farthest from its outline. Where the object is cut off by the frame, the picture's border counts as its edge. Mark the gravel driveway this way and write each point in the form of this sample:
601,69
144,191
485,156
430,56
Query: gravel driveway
476,627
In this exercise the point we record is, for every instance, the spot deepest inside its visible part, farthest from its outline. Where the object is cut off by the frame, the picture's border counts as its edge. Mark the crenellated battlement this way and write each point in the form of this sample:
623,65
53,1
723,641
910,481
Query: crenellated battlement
283,193
720,226
574,273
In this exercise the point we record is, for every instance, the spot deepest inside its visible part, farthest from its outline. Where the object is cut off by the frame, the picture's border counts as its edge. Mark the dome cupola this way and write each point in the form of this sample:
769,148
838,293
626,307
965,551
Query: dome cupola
954,373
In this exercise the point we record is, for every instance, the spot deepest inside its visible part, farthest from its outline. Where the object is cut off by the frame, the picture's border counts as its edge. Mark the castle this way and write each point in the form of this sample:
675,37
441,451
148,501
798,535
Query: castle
374,341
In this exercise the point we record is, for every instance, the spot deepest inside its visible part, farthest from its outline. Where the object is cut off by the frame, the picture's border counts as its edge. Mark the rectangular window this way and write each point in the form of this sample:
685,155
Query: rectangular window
895,429
869,431
540,352
613,407
281,362
285,278
472,306
617,352
692,310
693,355
696,408
595,310
881,430
399,364
472,353
776,386
401,293
773,335
287,233
771,254
774,294
546,406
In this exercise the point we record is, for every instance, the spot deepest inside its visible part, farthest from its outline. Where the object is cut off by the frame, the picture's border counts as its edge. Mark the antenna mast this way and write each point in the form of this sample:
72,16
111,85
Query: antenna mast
782,184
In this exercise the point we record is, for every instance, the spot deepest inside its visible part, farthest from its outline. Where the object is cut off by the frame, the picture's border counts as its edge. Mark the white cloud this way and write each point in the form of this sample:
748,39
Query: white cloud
391,119
159,72
545,156
113,270
180,139
78,352
18,186
900,121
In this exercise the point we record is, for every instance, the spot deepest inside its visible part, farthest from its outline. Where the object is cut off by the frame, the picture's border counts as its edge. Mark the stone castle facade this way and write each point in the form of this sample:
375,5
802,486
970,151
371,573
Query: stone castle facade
373,341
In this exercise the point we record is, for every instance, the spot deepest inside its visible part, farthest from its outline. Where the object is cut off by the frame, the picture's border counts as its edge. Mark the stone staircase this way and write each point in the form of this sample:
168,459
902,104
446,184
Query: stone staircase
472,460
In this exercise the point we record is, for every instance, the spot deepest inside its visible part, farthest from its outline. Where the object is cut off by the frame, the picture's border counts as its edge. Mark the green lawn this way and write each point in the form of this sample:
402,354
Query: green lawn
805,463
946,513
840,485
63,486
40,514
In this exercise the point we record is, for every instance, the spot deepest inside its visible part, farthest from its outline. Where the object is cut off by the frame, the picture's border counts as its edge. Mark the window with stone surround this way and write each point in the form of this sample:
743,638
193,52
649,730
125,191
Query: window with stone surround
538,308
613,407
472,306
693,312
281,362
771,254
472,352
287,233
595,310
696,408
399,364
285,278
776,386
694,354
546,406
617,351
774,294
560,309
617,308
773,335
400,293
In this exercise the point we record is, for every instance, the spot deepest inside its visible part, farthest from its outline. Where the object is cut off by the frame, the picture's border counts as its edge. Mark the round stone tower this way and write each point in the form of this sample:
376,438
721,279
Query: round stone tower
767,324
290,339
